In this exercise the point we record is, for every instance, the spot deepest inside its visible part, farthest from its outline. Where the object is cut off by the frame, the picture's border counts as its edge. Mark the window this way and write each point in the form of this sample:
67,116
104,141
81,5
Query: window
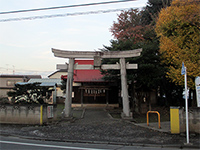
12,82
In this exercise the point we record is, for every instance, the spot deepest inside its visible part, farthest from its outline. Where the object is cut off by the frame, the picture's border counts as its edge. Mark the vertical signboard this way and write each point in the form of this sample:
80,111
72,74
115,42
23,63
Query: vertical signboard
197,84
49,111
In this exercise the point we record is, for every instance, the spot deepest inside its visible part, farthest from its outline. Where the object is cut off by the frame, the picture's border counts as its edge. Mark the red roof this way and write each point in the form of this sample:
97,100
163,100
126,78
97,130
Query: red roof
86,75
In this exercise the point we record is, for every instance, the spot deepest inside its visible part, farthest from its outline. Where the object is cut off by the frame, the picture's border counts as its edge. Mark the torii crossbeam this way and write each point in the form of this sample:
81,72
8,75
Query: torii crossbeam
97,55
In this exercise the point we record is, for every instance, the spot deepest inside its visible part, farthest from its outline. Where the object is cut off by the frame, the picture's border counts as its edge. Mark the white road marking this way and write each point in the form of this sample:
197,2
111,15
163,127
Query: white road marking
50,146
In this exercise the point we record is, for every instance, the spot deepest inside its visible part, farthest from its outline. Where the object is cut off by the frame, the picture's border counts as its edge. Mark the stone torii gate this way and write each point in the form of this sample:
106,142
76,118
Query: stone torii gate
71,55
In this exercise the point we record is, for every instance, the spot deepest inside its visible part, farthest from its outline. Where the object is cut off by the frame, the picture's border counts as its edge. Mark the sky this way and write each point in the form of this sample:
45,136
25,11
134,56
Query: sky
25,45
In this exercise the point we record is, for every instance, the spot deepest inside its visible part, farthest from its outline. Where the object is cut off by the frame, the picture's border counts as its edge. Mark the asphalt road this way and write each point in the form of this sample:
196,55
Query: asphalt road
14,143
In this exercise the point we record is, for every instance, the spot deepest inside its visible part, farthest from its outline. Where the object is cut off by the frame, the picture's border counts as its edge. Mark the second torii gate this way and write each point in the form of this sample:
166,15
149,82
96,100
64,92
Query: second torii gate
97,65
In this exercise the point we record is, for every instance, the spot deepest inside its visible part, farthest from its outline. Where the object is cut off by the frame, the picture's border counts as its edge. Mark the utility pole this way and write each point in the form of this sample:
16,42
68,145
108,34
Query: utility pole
184,72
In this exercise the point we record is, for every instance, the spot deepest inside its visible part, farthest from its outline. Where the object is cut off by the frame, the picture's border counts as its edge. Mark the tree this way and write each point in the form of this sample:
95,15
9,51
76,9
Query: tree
143,80
135,29
179,30
152,9
30,93
129,26
170,93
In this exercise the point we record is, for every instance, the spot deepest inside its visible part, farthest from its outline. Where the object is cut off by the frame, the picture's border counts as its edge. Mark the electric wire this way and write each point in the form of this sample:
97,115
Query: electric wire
21,70
61,7
62,15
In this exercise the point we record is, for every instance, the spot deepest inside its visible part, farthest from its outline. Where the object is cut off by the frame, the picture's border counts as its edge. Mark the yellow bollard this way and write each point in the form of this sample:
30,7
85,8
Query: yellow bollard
41,114
174,120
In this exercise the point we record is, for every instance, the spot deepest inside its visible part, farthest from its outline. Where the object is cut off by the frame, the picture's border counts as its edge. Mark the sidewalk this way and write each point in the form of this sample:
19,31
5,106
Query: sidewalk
165,126
97,126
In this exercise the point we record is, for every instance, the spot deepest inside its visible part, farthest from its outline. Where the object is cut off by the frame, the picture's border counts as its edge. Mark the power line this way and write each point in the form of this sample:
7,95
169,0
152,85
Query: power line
62,15
22,70
61,7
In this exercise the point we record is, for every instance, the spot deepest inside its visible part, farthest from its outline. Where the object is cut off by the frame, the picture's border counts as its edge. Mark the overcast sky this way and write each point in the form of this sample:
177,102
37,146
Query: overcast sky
25,45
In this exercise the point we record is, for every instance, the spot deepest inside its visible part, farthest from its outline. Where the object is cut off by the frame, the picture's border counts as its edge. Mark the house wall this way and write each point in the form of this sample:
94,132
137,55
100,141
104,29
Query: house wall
7,84
3,92
26,114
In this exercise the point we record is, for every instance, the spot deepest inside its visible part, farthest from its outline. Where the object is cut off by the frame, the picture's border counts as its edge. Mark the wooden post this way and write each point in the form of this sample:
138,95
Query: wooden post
125,99
68,100
82,90
41,114
107,102
54,94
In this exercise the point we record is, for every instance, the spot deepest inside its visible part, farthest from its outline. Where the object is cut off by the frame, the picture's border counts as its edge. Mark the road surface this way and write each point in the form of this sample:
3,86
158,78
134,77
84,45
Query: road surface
15,143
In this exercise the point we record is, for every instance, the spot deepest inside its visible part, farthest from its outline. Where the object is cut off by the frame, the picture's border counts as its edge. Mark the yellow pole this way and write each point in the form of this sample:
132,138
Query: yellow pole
41,114
159,120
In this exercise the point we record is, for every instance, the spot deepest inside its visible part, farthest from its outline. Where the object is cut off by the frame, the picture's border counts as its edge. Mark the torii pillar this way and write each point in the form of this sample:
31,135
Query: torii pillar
88,54
126,107
69,87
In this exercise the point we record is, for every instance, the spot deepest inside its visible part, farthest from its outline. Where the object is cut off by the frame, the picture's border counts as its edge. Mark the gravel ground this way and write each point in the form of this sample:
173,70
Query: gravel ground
97,126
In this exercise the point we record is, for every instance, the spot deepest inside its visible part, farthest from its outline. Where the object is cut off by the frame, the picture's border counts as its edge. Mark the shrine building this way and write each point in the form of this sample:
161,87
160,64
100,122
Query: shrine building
90,89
